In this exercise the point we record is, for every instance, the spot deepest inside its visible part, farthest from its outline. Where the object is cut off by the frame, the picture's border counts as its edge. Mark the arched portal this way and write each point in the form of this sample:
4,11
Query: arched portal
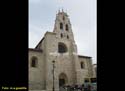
62,79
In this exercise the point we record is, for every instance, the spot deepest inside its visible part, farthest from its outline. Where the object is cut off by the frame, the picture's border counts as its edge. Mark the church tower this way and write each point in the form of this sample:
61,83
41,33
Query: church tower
60,46
67,61
63,27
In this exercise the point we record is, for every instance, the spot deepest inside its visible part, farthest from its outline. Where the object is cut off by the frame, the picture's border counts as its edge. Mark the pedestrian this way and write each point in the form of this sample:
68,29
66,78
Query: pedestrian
82,87
89,87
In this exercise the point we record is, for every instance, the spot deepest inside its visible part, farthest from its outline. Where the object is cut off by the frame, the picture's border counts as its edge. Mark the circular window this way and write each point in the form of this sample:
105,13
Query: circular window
62,47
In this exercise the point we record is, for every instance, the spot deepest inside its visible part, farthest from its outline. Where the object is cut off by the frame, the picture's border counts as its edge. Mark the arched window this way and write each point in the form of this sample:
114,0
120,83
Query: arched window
61,35
63,18
82,65
62,48
61,26
67,28
34,62
67,37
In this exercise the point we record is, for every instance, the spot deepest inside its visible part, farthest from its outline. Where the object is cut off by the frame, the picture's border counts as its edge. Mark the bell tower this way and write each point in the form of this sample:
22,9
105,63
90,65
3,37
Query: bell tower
63,27
65,36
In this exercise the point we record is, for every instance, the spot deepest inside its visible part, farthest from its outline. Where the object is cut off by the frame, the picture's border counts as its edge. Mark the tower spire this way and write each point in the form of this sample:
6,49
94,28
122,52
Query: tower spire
62,26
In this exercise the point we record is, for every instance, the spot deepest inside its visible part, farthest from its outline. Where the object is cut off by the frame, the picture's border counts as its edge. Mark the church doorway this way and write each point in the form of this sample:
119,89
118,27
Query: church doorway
62,79
61,82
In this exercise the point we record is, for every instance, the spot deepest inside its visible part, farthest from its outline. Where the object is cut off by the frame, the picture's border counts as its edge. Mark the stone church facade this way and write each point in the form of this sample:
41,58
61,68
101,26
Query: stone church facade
59,47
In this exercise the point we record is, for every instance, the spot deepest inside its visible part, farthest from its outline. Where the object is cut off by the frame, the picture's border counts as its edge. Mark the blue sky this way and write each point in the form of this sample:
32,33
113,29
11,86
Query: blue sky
82,14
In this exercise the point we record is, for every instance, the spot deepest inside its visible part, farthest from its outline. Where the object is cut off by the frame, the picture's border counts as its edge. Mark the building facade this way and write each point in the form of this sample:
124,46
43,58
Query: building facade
59,47
94,70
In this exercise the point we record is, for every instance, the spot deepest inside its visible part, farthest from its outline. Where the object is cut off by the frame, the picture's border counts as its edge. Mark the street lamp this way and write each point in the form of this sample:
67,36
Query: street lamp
53,74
